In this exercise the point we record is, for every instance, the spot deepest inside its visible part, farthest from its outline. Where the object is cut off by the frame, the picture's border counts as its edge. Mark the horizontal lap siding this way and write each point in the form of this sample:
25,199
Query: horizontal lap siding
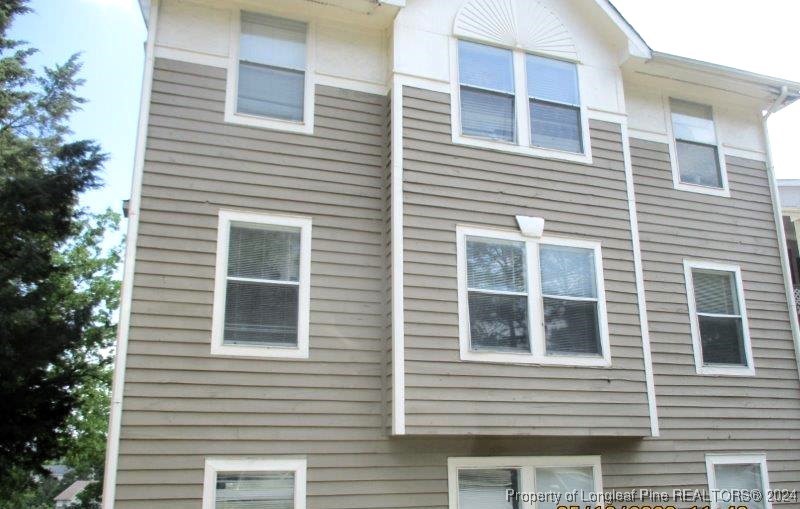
701,414
445,185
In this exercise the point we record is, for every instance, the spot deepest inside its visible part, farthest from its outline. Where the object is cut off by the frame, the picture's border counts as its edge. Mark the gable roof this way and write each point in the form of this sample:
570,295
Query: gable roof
636,43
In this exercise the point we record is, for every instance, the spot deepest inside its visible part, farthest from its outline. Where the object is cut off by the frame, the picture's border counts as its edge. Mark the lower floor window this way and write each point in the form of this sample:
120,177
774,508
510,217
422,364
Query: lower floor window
508,483
737,473
248,483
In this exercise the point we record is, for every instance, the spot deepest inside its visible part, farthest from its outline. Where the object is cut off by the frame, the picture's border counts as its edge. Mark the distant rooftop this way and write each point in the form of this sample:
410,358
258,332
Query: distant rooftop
72,492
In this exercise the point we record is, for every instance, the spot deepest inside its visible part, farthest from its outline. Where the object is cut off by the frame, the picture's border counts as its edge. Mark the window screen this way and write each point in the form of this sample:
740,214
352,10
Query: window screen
696,144
570,301
554,104
486,488
245,490
740,477
486,75
719,317
272,61
563,480
262,292
498,295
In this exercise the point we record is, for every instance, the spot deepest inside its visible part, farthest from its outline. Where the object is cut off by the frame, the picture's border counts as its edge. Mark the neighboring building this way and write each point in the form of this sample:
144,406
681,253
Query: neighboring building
413,253
789,191
70,495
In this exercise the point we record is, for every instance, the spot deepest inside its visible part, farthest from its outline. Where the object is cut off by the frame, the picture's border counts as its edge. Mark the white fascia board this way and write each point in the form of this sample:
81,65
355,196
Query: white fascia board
637,47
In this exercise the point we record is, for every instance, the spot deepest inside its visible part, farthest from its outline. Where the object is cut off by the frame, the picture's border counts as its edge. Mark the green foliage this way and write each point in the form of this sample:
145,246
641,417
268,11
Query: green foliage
58,293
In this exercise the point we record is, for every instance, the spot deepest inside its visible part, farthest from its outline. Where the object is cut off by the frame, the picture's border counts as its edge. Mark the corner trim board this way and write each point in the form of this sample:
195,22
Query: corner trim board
115,413
398,318
639,273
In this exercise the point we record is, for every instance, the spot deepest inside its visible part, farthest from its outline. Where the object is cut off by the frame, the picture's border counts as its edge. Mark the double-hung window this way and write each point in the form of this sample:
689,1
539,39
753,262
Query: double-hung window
554,104
718,318
486,76
261,298
735,478
700,166
249,483
530,103
530,301
269,84
504,482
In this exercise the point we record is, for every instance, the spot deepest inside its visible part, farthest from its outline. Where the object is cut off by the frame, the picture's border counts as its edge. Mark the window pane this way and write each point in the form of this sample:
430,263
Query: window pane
698,164
244,490
555,126
270,92
485,67
692,122
739,477
264,252
715,292
486,488
498,322
571,327
273,41
487,114
563,480
261,314
496,265
552,80
567,271
722,340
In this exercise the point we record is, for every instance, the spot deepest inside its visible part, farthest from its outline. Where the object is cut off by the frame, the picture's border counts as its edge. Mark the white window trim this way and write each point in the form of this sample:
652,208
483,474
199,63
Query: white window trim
535,303
738,459
522,145
214,465
697,344
220,286
232,81
526,465
673,154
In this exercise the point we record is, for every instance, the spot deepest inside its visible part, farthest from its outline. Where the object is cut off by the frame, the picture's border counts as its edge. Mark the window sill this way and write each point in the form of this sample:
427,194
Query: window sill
726,371
529,359
269,123
713,191
266,352
503,146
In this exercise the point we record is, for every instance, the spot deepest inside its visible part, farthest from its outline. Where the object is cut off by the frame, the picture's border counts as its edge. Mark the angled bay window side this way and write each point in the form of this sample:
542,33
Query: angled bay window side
248,482
718,319
530,301
270,79
493,481
508,99
261,288
698,162
742,473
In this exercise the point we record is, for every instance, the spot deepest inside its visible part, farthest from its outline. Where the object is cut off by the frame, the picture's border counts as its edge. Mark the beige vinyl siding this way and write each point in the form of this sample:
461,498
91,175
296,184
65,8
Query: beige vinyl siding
445,185
698,413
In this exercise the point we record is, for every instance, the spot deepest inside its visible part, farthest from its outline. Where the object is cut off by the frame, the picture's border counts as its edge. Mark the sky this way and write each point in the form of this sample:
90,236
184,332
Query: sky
755,36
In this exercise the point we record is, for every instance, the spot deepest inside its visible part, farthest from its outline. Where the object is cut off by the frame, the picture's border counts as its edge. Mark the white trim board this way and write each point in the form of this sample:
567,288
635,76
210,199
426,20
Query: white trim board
398,308
215,465
536,334
700,367
641,297
226,217
123,327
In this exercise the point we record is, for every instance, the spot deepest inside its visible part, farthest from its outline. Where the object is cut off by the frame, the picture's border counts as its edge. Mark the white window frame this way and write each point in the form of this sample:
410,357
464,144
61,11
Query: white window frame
737,459
526,465
215,465
232,81
697,345
226,217
522,144
536,332
673,153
